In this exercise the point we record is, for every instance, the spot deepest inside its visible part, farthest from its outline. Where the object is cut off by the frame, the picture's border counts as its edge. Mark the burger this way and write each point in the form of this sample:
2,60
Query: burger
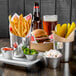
40,35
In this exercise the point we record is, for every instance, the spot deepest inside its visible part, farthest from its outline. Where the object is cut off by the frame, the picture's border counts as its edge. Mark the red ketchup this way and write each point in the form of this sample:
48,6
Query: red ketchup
7,49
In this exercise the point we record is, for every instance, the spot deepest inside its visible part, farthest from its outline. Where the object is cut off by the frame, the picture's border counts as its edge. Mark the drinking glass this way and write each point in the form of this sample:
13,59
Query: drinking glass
49,23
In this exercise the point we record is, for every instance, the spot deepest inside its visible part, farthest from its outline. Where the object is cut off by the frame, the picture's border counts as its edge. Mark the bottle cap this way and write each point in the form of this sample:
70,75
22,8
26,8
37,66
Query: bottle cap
36,5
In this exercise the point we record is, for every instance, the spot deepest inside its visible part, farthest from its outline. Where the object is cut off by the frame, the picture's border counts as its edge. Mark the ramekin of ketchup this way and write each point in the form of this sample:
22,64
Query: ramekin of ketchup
7,52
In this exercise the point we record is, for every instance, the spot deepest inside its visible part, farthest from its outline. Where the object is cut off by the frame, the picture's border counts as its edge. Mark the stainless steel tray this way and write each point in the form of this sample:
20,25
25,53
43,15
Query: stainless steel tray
20,61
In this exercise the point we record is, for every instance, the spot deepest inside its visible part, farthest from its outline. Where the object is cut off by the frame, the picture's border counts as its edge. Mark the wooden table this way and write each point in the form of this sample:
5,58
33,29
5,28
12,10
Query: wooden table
65,69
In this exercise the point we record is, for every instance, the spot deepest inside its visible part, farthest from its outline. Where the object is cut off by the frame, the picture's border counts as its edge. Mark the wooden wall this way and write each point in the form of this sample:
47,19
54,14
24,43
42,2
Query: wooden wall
65,9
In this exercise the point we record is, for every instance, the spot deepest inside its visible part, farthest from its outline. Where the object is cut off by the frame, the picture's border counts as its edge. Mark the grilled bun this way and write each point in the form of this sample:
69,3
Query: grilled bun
39,33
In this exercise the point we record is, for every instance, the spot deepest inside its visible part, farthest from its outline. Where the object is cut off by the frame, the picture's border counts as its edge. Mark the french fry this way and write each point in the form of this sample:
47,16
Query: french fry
13,28
9,18
15,20
24,27
30,23
27,27
18,34
24,32
19,25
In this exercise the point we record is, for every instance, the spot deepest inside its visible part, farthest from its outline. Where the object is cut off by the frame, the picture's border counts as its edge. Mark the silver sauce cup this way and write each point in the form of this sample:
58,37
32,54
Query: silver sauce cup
31,57
7,54
53,62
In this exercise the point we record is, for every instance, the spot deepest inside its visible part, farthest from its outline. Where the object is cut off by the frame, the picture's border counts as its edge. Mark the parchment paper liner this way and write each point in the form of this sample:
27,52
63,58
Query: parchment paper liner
70,38
41,46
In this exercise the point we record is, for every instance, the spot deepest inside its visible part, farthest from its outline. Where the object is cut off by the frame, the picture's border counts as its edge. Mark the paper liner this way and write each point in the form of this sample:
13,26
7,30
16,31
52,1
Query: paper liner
41,46
70,38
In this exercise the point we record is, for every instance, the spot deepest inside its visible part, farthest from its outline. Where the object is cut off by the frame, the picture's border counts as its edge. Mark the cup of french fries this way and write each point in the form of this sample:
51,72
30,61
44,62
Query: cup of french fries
64,32
19,25
19,28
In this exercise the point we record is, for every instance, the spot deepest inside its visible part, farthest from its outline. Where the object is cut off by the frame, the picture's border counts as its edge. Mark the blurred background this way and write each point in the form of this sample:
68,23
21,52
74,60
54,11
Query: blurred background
65,9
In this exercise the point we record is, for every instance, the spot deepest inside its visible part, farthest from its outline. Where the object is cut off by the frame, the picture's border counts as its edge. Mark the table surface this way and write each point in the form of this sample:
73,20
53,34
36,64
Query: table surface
65,69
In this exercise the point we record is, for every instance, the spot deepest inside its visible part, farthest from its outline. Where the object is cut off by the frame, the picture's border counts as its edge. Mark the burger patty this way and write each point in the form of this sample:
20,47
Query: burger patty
43,40
42,36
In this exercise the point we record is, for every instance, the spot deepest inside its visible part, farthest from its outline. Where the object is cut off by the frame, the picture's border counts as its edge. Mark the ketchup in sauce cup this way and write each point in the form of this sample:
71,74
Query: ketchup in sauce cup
7,52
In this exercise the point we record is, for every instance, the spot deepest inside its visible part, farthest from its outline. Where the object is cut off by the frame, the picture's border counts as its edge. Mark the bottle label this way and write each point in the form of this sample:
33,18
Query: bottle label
36,6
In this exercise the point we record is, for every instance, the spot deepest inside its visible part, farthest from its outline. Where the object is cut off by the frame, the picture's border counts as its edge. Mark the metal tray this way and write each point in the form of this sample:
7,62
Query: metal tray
20,61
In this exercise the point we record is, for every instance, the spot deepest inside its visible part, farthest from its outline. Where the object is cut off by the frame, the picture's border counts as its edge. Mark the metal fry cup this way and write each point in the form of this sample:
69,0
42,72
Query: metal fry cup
67,51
